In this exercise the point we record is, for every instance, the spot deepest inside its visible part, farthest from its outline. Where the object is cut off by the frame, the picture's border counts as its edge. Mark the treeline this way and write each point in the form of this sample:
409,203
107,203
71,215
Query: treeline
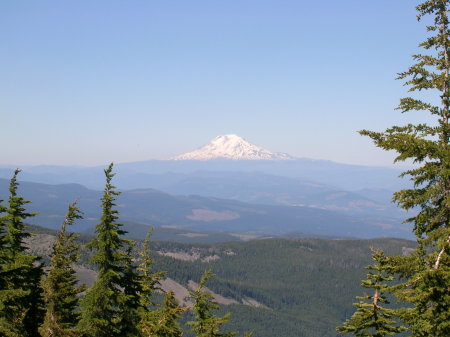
121,302
305,286
283,273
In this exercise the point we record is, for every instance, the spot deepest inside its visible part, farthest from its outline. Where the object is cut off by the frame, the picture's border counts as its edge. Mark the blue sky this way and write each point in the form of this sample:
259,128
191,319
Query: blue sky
90,82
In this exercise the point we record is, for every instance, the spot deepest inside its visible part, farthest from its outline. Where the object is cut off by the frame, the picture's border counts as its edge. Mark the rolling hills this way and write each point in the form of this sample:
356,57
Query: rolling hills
276,287
145,207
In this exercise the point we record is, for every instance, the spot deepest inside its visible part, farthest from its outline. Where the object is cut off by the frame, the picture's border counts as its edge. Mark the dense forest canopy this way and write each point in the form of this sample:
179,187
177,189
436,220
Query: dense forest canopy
125,298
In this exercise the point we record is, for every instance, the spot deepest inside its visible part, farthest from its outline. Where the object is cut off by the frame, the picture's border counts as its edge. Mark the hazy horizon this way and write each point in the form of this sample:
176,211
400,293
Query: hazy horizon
88,83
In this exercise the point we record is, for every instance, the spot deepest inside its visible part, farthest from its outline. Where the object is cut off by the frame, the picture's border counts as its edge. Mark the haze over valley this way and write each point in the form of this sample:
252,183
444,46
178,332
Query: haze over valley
229,186
224,168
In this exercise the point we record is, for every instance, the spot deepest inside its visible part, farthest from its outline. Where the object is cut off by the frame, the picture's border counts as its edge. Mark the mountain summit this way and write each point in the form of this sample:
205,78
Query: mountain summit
232,147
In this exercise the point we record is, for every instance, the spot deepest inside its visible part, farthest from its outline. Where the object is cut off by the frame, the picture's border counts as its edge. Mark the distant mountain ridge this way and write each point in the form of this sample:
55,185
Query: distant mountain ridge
196,213
263,195
232,147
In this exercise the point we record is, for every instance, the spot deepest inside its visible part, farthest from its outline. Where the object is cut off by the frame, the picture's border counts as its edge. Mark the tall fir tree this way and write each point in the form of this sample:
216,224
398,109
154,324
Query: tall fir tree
427,271
150,282
60,284
21,303
156,321
163,322
132,290
372,318
103,305
4,259
206,323
3,254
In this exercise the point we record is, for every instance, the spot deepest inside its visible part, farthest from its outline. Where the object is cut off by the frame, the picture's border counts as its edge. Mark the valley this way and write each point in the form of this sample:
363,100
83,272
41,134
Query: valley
225,169
287,251
142,208
276,287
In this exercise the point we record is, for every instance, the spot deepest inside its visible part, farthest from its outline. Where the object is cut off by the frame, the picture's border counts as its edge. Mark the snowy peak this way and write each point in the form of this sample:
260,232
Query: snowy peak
232,147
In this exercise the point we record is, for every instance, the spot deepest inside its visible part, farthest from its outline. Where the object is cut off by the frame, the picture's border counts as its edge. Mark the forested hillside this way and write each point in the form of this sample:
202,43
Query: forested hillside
285,247
292,287
144,207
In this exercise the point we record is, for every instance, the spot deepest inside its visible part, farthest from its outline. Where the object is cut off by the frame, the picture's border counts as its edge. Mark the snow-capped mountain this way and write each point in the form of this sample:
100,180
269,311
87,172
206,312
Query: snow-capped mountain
232,147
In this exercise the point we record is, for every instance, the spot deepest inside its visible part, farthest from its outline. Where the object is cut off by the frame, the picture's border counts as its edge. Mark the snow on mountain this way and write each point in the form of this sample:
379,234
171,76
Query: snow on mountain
232,147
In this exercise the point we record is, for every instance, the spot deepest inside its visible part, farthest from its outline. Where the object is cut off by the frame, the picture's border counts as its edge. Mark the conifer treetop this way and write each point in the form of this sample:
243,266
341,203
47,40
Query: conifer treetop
372,318
16,214
108,242
426,273
207,324
60,284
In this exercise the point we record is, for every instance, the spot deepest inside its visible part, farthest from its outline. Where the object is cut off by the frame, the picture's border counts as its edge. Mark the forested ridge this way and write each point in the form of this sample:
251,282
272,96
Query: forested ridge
292,287
305,285
120,301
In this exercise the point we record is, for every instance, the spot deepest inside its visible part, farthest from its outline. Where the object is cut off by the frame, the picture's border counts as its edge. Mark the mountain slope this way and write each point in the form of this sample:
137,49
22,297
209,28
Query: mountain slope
260,188
232,147
151,207
136,174
305,287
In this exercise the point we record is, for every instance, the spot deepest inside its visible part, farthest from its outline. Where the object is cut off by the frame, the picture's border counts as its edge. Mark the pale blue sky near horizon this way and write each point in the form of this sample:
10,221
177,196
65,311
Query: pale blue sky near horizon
90,82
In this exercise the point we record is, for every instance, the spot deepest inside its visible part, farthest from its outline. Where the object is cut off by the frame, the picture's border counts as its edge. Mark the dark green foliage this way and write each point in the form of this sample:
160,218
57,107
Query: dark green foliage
103,306
150,281
428,146
60,290
3,243
207,324
306,286
426,287
100,314
108,242
371,317
162,322
149,321
132,291
16,214
20,295
120,300
426,273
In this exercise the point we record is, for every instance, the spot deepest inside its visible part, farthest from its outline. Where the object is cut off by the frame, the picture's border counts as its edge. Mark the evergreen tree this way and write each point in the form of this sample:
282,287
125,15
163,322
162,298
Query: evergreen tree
207,324
60,290
132,289
371,317
428,270
162,322
4,273
103,306
15,218
21,310
150,282
3,254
